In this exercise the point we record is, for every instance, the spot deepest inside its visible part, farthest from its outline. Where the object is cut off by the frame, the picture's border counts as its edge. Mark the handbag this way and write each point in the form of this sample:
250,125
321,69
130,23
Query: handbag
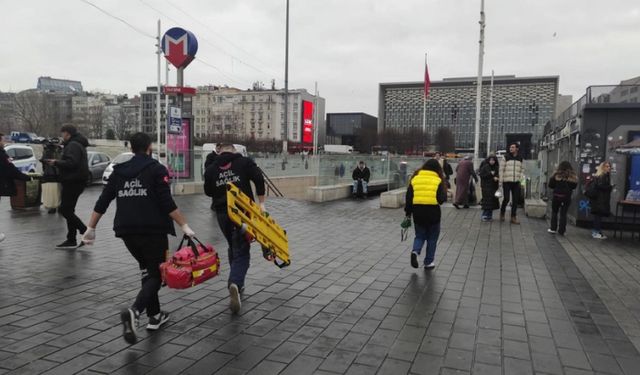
190,265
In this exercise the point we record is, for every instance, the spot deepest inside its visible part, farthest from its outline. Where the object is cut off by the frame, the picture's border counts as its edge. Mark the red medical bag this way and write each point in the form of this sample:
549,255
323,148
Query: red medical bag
190,265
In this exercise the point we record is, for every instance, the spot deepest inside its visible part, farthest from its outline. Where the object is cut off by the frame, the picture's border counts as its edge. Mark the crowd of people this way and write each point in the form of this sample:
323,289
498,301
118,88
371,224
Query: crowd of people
427,191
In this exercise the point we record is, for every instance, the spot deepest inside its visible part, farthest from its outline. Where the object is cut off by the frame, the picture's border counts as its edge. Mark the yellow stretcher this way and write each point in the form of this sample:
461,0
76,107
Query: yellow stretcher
247,214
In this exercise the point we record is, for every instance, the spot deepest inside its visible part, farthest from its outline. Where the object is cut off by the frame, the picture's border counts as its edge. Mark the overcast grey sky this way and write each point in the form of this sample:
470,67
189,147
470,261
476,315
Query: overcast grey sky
347,46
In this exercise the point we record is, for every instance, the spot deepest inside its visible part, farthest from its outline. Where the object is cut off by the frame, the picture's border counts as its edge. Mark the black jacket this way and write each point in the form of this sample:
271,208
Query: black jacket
601,204
143,197
229,167
488,185
210,159
424,214
562,186
73,166
8,174
364,174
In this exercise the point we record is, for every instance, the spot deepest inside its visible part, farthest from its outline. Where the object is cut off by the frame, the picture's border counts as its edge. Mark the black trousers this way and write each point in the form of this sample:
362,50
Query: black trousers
70,193
559,207
513,189
150,250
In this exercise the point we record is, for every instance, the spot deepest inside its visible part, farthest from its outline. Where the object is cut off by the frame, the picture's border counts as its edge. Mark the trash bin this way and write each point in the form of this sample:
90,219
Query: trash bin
27,193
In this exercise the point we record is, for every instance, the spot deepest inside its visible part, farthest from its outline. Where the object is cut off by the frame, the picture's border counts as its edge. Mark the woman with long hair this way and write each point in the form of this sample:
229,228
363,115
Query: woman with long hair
425,193
563,181
601,198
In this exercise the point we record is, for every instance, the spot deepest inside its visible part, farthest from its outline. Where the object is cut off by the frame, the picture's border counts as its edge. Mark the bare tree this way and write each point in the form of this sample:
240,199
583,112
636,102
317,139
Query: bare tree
445,140
35,112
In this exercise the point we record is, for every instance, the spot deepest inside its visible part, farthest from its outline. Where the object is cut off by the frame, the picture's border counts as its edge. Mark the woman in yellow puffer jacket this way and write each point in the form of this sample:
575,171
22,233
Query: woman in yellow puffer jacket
425,194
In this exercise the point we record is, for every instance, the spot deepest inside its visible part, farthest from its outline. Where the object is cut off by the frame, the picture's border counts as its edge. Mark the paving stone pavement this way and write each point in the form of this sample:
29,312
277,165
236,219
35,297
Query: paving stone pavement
503,299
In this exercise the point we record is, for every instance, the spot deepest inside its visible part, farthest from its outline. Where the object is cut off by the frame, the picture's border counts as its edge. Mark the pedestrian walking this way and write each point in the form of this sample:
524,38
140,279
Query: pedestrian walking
464,174
425,193
447,171
143,220
8,174
230,167
563,181
600,198
511,173
74,173
489,183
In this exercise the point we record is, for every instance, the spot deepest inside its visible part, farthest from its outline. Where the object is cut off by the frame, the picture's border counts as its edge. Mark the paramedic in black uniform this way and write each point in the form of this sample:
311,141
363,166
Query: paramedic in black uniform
230,166
144,213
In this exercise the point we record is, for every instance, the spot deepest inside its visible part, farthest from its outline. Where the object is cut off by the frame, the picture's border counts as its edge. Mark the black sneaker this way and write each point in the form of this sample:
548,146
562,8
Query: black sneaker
156,321
235,302
129,320
414,260
67,245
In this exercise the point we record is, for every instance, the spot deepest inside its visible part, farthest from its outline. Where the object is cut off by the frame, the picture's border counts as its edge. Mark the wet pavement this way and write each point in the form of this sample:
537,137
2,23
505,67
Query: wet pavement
503,299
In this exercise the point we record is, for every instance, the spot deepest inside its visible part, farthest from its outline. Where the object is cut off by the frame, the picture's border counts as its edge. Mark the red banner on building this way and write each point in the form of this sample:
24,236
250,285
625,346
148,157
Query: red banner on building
174,90
307,122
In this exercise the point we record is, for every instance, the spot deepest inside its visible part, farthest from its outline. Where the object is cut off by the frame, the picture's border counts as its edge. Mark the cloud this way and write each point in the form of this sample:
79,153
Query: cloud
347,46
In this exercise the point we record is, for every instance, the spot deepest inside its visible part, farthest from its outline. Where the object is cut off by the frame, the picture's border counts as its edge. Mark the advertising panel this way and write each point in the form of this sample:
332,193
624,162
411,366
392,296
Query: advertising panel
179,147
307,122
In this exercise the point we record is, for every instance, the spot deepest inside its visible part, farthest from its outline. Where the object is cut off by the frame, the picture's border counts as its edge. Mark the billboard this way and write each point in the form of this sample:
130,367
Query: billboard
179,147
307,122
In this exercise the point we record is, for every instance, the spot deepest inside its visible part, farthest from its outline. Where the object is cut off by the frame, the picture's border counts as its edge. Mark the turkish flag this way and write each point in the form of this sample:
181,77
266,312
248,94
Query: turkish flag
427,81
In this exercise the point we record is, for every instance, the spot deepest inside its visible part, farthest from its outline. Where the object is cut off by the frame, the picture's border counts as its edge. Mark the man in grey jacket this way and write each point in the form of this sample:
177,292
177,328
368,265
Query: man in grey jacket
510,175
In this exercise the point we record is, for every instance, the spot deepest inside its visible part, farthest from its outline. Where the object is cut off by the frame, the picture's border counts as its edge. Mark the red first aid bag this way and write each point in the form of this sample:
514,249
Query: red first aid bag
190,265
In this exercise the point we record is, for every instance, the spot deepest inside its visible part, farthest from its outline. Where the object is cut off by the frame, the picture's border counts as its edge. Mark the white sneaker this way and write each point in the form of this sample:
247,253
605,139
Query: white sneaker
2,237
551,231
430,266
599,236
234,303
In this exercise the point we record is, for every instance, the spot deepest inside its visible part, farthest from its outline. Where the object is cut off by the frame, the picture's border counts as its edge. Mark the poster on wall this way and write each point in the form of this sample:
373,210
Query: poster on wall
307,122
179,146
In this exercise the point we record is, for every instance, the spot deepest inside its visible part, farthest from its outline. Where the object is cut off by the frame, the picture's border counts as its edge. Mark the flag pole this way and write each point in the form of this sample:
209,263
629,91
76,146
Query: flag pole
424,104
476,143
490,116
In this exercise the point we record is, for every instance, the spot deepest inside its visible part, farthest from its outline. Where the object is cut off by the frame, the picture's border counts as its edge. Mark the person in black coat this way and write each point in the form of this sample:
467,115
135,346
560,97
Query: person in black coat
563,182
144,217
489,183
8,174
74,173
601,199
360,174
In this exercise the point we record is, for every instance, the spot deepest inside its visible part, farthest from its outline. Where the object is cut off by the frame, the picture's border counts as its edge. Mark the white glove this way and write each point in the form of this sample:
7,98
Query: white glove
89,236
188,231
263,208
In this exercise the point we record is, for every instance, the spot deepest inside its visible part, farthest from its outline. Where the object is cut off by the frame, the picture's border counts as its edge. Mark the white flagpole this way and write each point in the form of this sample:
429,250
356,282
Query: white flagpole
490,116
158,88
476,143
424,102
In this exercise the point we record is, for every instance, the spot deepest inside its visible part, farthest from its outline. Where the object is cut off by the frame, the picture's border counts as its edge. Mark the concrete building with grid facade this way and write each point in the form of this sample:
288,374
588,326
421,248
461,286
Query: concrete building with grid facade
521,107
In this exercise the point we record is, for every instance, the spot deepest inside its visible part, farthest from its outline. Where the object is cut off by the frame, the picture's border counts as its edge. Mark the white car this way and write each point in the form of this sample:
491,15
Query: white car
122,158
22,157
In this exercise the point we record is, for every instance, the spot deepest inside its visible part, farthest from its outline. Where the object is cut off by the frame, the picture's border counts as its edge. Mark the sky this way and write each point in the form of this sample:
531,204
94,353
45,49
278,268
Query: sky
347,46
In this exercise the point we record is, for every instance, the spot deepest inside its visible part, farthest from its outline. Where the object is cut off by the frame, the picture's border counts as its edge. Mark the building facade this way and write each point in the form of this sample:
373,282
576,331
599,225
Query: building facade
521,108
59,85
148,122
256,114
356,129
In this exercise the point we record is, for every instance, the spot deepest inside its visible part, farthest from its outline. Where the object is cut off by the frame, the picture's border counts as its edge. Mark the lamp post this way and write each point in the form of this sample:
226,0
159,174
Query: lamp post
285,129
476,143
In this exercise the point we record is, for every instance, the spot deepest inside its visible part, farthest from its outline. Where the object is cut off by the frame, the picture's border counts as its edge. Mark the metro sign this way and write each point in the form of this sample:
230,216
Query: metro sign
179,47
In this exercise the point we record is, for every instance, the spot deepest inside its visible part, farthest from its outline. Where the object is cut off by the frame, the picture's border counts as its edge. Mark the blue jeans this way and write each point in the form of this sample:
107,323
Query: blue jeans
239,256
487,214
355,186
428,234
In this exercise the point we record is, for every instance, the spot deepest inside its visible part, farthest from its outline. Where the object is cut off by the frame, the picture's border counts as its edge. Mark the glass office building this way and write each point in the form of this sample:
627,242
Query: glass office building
521,108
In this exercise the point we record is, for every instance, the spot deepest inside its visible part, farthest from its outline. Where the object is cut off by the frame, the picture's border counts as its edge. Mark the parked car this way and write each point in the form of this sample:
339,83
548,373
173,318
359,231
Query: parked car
98,162
22,157
122,158
22,137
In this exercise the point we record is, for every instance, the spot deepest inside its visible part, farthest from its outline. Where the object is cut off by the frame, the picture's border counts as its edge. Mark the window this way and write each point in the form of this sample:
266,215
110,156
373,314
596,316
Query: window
634,89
